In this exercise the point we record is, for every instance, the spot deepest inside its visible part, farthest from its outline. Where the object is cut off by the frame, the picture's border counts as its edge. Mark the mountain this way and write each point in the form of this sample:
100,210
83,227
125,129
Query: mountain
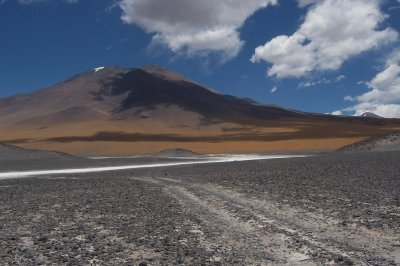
116,111
118,93
370,115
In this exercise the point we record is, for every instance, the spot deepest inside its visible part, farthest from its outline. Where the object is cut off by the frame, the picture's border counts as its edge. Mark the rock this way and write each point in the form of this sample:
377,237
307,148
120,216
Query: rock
42,238
341,260
3,253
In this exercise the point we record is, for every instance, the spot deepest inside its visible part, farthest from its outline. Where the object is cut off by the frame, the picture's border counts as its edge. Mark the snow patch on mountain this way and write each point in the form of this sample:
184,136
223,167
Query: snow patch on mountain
97,69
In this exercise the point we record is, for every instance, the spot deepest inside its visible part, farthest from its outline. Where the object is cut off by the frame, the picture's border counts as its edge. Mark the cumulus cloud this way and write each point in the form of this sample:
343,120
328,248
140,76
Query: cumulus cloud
274,89
333,31
385,86
193,27
383,98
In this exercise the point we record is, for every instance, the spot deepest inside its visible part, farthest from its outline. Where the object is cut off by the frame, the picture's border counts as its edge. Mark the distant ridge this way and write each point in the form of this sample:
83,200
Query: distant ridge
177,153
10,152
370,115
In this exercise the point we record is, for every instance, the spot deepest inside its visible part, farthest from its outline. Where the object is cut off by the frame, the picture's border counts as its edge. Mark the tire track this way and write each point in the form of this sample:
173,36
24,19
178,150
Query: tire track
292,236
321,234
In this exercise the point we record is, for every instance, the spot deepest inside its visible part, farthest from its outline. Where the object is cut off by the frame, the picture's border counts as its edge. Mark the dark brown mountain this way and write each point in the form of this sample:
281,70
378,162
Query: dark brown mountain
116,110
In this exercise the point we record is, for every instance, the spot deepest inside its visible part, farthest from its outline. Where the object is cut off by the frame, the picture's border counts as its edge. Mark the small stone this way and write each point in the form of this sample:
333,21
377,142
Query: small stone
42,238
396,244
94,253
143,263
64,258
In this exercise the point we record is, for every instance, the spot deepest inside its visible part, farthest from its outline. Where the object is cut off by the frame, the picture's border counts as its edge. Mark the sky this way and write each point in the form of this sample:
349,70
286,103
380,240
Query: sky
327,56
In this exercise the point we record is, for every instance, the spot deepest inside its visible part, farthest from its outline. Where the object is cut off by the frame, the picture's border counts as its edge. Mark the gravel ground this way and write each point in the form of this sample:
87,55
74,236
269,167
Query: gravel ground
339,209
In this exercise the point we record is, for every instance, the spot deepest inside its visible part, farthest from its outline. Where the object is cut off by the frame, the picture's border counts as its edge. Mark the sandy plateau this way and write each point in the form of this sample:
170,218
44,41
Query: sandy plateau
100,138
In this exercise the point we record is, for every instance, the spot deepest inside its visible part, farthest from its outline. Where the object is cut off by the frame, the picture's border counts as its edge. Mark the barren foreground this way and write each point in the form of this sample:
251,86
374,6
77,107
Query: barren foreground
332,209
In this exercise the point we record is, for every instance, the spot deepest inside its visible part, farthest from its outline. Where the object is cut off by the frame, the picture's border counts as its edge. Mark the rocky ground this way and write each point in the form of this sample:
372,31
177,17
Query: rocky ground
339,209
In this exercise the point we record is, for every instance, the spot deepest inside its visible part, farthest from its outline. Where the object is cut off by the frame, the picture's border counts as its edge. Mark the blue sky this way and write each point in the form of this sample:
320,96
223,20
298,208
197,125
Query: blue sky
319,56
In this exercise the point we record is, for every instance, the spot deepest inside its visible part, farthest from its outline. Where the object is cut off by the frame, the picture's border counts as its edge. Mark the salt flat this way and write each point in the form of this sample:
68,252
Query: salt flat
189,161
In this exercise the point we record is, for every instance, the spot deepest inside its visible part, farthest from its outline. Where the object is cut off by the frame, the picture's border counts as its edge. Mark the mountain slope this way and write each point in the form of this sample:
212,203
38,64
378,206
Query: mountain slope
115,110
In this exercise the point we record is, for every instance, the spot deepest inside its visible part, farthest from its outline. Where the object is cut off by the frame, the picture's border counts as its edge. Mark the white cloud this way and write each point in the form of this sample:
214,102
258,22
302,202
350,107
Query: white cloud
349,98
337,113
333,31
274,89
340,78
385,86
383,110
324,81
383,98
193,27
306,84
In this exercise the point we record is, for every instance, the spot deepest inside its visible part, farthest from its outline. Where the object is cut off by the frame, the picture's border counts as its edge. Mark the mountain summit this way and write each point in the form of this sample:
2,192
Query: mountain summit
116,110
